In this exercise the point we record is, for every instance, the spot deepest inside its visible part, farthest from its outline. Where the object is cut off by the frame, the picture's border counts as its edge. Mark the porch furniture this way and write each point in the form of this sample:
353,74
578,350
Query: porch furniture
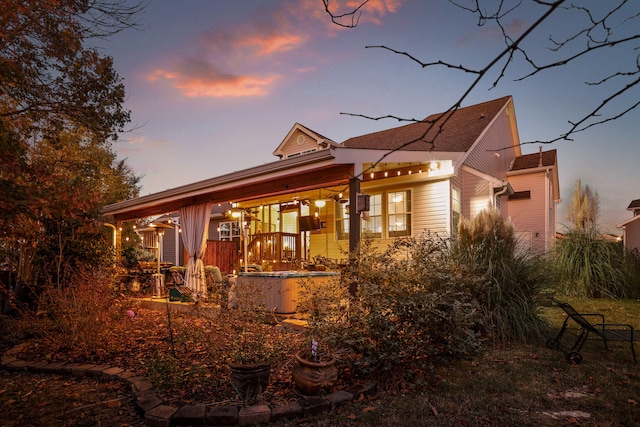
586,329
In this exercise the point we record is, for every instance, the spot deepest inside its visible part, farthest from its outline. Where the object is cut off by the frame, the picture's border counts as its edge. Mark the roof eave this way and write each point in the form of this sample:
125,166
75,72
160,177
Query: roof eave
194,189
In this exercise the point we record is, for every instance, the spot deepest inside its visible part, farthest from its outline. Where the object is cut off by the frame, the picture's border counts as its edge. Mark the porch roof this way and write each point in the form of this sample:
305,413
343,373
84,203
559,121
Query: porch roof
313,170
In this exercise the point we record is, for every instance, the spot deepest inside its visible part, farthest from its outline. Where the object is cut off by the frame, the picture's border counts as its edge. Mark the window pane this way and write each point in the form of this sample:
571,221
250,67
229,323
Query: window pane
342,221
399,213
372,225
456,209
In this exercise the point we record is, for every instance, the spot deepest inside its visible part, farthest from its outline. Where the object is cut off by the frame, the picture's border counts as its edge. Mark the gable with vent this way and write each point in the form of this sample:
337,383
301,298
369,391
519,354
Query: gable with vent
301,140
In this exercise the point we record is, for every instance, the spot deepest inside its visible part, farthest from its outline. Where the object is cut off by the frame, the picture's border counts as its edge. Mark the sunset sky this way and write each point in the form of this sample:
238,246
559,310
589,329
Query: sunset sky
215,86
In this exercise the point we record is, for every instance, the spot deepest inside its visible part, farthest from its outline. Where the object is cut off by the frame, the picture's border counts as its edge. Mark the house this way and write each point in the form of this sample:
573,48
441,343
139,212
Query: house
631,228
320,196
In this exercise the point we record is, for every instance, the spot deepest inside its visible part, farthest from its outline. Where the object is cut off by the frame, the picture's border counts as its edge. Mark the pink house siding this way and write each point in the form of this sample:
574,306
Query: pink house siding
530,216
631,234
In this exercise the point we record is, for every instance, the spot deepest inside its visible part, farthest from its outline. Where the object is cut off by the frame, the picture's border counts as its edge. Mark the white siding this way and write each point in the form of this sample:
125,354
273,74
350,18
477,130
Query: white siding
299,142
324,242
431,208
476,195
430,212
495,152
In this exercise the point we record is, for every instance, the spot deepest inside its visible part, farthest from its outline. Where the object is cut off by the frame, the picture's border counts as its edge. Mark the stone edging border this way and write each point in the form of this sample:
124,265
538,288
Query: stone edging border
156,414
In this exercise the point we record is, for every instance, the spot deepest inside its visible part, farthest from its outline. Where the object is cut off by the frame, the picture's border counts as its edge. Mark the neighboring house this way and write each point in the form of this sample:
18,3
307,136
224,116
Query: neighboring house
532,206
631,228
320,197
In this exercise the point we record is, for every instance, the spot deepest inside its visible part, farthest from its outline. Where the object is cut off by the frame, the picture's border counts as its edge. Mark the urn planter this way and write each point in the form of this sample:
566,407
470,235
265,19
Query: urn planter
250,381
313,378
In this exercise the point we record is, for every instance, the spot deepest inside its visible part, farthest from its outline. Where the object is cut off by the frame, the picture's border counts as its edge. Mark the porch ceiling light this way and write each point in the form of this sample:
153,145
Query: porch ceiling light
320,203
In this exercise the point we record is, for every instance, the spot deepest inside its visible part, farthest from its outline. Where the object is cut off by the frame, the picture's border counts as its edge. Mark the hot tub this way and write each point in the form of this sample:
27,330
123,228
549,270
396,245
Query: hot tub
278,290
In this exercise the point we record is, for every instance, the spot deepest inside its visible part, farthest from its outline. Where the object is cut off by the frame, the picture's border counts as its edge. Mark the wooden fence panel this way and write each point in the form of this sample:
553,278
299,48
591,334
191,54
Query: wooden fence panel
221,254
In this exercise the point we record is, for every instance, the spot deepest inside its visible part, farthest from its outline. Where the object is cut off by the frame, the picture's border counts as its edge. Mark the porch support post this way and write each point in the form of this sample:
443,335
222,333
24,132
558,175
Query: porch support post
354,215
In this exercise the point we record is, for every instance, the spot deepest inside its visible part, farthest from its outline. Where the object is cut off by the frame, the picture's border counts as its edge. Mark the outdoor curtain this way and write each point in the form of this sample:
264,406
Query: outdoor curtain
194,221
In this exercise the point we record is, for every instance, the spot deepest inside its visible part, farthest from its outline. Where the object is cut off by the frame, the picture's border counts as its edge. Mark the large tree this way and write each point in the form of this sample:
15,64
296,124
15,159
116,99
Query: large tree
61,105
50,79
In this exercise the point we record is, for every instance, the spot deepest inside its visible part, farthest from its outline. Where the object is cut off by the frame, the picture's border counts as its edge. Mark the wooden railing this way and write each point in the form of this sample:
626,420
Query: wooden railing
280,250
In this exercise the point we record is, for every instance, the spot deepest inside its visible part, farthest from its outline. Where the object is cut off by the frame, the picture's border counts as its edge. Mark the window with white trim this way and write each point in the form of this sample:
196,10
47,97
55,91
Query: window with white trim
399,213
342,221
372,220
456,209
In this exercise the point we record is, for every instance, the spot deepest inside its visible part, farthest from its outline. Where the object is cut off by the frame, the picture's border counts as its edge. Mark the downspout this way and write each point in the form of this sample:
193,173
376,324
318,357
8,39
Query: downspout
505,189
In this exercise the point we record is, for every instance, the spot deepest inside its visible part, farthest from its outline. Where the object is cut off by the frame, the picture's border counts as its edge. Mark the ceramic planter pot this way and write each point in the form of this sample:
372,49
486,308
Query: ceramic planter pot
313,378
250,381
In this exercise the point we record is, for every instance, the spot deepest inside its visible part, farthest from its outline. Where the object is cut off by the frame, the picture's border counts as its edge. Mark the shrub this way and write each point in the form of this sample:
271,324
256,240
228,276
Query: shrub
79,315
413,308
323,303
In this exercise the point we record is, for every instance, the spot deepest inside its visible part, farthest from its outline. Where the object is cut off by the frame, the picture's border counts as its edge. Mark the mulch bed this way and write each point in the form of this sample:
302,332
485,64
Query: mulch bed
184,363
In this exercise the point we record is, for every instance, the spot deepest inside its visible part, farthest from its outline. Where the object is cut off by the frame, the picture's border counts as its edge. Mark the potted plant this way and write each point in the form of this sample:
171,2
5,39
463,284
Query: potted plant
251,351
321,303
315,371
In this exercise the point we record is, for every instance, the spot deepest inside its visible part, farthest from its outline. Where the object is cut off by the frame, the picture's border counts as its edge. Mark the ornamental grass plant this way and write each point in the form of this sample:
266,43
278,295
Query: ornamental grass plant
514,277
588,266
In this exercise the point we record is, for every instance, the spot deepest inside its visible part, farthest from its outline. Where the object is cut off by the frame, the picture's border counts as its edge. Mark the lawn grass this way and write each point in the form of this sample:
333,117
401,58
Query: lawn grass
517,385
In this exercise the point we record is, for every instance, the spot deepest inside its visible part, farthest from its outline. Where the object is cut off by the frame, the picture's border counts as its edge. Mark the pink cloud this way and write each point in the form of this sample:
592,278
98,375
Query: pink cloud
273,43
255,45
198,78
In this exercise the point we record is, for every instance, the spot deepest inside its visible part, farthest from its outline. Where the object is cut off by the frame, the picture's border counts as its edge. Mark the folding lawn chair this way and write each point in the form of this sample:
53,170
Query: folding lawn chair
592,331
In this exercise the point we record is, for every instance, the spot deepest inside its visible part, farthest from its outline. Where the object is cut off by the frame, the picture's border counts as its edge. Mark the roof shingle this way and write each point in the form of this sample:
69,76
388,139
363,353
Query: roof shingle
531,161
459,133
635,204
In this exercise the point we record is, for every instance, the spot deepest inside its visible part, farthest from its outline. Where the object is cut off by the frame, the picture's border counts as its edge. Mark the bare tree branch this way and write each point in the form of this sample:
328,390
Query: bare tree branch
597,33
352,16
443,118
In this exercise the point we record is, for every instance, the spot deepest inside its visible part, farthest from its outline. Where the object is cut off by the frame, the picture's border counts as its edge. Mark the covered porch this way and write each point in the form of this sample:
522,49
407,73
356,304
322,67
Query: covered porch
277,207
